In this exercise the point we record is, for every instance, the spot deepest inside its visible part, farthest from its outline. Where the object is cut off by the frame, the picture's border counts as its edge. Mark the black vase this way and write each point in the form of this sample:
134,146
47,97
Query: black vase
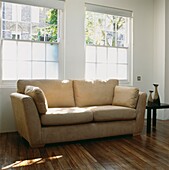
150,98
156,99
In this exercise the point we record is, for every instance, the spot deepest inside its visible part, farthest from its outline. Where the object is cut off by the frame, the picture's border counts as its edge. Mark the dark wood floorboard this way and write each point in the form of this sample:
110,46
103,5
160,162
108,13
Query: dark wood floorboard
147,151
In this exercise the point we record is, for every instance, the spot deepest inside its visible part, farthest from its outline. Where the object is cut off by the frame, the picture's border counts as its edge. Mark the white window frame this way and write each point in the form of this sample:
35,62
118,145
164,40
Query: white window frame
123,13
41,3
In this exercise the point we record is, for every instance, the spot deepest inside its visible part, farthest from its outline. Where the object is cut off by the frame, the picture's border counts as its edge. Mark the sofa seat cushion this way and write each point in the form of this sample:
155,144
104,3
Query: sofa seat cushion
66,116
111,113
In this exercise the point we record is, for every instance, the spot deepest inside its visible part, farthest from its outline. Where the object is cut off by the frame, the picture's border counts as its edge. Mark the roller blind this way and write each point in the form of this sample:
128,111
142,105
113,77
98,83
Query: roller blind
108,10
42,3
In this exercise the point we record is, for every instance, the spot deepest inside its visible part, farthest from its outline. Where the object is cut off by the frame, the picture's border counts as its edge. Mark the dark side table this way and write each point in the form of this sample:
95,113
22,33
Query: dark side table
154,108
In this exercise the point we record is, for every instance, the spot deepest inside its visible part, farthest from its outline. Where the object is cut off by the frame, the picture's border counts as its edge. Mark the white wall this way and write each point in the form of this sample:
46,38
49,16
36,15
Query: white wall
74,39
74,47
166,115
159,50
7,122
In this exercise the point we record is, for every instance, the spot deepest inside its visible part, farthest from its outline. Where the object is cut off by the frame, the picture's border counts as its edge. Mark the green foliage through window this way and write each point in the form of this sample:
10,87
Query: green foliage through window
106,30
49,33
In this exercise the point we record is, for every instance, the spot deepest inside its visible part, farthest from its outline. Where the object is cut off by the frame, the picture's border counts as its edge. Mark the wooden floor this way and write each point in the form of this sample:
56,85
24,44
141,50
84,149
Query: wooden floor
126,152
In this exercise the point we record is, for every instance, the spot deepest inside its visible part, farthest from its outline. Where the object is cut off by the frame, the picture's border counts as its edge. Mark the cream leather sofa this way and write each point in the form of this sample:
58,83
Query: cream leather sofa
50,111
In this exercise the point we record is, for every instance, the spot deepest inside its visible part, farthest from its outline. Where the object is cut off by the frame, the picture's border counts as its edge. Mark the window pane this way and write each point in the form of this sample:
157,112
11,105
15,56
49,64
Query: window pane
5,14
110,38
109,23
38,51
112,55
24,70
99,19
9,70
99,37
52,52
122,72
101,71
121,23
42,13
24,31
9,26
122,56
6,34
90,71
17,12
25,13
35,31
120,43
90,54
121,36
35,14
112,71
104,29
102,54
38,70
90,28
122,32
24,50
51,70
9,50
8,30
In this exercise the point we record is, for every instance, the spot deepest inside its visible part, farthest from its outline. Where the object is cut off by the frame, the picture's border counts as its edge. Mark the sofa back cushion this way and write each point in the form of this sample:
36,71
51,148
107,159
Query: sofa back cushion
39,98
125,96
58,93
94,93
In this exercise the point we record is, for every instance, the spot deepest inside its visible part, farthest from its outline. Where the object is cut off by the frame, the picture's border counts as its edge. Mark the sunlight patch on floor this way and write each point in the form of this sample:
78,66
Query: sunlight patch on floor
24,163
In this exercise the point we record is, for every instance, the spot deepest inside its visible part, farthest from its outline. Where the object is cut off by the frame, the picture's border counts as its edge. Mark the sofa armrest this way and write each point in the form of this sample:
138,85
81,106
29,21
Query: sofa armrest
140,110
27,118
